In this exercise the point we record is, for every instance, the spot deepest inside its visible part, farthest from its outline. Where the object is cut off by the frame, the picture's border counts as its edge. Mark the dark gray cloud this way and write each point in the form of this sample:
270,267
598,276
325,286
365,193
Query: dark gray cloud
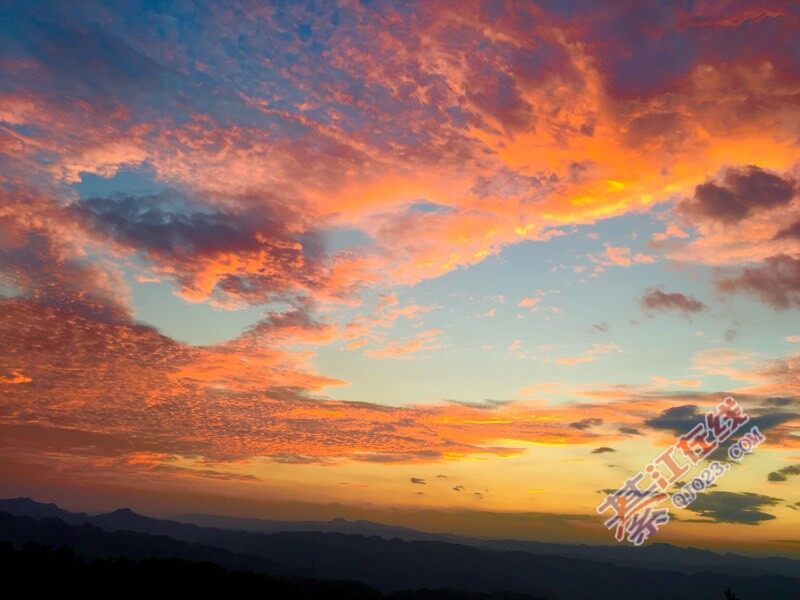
184,236
298,322
765,420
792,231
417,481
602,450
629,430
655,299
681,419
733,507
782,474
742,192
172,225
458,488
776,281
779,401
677,418
680,484
586,423
668,127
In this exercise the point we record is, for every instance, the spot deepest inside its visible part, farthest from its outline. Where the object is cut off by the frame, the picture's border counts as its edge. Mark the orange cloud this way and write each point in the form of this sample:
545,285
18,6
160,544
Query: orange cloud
565,146
116,397
425,340
590,355
16,377
528,302
476,132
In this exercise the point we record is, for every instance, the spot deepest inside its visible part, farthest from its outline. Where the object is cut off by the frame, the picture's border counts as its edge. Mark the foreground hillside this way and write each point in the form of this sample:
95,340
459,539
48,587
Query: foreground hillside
42,569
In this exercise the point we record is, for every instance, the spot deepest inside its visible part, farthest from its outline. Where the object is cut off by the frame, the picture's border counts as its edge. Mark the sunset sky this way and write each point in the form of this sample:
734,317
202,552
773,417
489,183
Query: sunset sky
459,266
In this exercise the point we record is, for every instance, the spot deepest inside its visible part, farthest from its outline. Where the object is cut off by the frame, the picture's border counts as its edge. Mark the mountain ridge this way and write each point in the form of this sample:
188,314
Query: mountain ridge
394,565
658,556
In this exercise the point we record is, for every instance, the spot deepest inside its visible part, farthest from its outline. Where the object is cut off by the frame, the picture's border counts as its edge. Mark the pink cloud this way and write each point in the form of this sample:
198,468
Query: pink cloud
423,341
529,302
590,355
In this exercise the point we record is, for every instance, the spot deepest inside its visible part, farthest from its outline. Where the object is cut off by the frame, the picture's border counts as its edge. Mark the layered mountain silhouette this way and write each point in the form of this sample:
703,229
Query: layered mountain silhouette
392,565
338,525
653,556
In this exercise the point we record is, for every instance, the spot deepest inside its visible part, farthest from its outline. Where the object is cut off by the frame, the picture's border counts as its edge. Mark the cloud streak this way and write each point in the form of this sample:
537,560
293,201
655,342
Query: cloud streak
732,507
658,300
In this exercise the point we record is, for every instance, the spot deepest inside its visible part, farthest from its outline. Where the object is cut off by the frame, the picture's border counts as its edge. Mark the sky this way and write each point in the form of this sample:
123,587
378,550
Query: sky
455,266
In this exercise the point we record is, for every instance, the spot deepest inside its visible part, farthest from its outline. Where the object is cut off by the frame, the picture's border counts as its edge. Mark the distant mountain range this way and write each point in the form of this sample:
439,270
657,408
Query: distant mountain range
358,527
653,556
393,563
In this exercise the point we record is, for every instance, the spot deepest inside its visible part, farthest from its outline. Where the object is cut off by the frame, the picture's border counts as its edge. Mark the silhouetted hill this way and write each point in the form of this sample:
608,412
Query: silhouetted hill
237,535
27,507
394,565
125,519
67,572
92,542
658,556
653,556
